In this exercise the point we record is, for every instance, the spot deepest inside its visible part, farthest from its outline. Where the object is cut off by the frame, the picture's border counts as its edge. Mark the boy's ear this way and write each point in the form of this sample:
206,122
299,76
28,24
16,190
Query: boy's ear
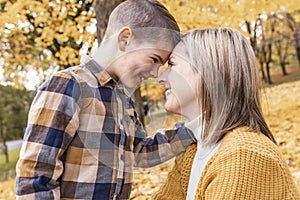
125,35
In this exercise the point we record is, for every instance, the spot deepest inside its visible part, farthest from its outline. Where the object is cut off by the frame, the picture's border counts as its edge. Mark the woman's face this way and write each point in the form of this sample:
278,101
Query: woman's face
180,82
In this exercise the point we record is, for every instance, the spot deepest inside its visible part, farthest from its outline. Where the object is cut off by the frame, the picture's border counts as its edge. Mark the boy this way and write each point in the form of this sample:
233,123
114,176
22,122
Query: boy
83,135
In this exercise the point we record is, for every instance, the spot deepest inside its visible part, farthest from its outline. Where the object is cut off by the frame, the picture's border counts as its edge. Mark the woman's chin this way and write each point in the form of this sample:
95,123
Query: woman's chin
170,108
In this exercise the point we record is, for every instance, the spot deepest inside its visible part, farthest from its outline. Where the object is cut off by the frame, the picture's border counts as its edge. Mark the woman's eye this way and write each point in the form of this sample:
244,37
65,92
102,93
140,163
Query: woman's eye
170,64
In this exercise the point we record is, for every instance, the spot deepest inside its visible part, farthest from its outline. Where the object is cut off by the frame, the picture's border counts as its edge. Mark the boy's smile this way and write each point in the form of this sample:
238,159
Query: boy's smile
139,65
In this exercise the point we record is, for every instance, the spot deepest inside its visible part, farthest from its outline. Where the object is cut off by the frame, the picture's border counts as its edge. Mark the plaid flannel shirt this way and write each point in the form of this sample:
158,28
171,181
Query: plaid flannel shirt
83,138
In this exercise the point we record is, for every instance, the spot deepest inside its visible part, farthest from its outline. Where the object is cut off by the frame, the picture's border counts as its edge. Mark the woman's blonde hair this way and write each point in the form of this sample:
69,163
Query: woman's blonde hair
229,84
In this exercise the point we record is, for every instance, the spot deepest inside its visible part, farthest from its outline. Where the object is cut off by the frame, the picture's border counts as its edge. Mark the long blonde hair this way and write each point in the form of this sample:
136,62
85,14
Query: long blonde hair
229,84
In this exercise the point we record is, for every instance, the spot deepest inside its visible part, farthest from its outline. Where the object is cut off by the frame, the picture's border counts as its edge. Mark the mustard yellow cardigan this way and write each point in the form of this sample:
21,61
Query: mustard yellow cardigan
246,166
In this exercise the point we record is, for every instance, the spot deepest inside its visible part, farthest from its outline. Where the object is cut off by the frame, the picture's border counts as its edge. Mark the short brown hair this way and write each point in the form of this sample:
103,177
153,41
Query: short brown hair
138,14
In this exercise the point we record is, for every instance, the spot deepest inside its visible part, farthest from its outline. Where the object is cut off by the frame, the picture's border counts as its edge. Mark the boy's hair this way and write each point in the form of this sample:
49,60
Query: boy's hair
141,15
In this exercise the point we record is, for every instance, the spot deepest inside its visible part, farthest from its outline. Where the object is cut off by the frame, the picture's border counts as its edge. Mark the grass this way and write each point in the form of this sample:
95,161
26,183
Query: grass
7,170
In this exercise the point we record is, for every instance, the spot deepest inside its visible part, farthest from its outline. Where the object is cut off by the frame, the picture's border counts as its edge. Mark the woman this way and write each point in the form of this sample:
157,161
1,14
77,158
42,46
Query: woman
213,80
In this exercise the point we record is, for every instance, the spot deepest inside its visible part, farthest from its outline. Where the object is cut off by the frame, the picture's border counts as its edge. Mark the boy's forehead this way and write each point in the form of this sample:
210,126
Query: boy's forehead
162,46
161,37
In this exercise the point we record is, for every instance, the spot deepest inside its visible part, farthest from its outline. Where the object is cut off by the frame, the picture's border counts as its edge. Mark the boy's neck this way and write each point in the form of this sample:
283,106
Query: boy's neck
106,55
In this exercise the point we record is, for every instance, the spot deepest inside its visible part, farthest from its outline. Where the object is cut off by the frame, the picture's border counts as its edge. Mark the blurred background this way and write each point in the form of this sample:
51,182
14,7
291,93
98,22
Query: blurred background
40,37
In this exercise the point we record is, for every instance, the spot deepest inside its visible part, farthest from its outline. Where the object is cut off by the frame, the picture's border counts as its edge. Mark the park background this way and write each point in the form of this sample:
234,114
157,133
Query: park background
39,37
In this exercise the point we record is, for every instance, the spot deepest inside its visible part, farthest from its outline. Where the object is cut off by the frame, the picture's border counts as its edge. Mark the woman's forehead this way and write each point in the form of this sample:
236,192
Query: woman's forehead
179,50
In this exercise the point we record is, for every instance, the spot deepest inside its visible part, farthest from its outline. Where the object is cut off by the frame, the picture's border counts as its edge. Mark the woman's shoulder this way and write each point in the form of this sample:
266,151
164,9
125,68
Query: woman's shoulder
244,138
247,157
250,148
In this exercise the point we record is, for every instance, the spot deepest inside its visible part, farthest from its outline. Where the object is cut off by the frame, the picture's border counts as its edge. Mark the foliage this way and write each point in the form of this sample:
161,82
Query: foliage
192,14
272,36
7,190
41,32
13,116
7,170
152,90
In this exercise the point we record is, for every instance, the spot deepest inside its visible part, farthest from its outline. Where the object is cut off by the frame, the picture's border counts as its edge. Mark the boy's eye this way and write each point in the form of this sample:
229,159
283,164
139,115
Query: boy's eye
155,60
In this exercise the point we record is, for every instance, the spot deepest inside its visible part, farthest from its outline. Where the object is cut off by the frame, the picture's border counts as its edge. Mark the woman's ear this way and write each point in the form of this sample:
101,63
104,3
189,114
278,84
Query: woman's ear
124,37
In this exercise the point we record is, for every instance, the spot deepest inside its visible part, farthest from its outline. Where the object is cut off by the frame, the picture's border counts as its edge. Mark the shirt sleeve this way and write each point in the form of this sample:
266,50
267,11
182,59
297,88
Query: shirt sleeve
162,146
52,123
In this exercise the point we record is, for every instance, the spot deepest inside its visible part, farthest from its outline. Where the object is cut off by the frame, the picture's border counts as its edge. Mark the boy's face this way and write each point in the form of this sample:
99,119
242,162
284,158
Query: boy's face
140,64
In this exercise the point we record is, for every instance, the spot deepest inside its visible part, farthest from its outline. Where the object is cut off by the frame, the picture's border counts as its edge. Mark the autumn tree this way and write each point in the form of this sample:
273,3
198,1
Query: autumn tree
295,27
273,32
40,34
192,14
255,36
283,39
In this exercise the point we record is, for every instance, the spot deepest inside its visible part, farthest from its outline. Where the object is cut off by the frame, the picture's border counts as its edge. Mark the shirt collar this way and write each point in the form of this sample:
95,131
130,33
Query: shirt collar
196,127
100,73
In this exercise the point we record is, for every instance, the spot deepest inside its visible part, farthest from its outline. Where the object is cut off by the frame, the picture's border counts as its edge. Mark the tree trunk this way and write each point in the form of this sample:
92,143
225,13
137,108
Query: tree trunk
4,145
283,68
5,152
268,73
298,54
262,71
139,105
268,61
297,44
103,9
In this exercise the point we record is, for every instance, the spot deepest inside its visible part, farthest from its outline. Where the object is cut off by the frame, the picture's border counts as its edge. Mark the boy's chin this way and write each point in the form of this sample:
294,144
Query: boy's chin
132,85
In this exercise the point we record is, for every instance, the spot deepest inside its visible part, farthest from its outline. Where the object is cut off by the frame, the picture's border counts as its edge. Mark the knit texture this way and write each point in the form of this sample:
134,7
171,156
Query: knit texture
246,166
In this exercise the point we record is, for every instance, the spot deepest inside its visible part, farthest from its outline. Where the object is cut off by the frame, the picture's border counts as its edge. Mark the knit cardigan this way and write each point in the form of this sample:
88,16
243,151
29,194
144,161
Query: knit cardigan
246,166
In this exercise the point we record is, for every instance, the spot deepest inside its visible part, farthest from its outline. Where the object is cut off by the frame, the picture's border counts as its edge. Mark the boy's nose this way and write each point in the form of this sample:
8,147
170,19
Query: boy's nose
162,78
154,71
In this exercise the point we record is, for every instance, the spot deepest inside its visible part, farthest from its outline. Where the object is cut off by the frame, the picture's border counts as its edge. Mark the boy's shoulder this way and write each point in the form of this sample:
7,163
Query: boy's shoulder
80,74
